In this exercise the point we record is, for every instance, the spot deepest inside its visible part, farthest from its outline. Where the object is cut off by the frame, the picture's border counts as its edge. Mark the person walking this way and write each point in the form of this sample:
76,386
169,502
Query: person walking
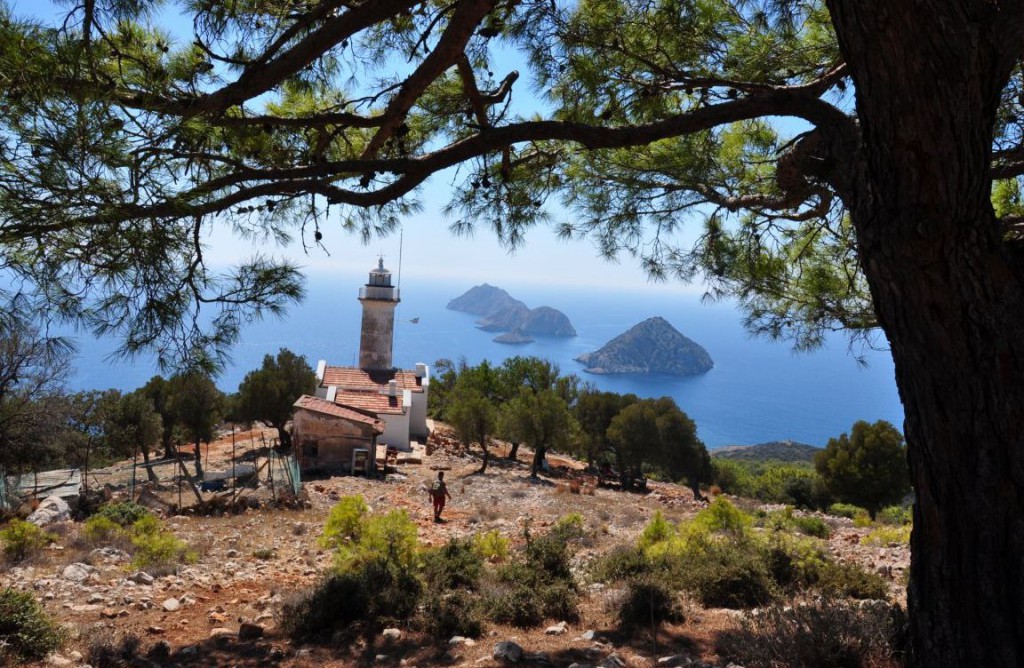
438,493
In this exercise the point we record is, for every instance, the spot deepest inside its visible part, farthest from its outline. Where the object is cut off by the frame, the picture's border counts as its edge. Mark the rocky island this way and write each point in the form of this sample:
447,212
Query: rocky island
502,313
653,346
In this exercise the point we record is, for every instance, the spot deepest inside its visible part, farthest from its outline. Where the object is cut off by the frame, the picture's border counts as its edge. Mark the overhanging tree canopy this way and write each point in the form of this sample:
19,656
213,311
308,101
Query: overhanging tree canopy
121,148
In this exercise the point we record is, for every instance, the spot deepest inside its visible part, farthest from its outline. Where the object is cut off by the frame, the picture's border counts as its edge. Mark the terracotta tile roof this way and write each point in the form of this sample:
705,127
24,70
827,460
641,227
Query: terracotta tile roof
370,402
328,408
354,378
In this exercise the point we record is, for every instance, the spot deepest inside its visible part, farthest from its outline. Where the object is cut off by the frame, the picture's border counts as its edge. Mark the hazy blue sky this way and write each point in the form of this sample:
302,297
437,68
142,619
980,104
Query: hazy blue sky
429,249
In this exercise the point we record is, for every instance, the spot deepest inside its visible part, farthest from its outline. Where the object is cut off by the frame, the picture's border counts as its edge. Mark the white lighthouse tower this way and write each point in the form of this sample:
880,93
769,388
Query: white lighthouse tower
379,299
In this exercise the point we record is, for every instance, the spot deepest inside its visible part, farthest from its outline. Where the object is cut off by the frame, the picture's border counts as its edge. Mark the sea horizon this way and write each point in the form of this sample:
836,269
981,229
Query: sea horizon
758,390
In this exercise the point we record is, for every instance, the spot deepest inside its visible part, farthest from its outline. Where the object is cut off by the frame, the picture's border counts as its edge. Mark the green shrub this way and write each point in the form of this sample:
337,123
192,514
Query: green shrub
862,521
623,562
344,522
649,600
537,585
391,537
722,517
888,535
812,525
337,601
568,528
658,530
455,613
847,510
123,513
898,515
101,529
491,546
520,595
794,563
729,574
732,477
825,634
369,595
455,565
22,539
157,550
852,581
265,553
27,633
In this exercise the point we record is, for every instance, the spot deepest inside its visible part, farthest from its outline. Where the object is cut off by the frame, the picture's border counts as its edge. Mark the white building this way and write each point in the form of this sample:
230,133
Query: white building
397,397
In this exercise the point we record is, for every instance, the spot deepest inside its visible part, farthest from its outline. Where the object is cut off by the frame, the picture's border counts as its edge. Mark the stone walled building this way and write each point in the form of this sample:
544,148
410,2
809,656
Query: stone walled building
394,398
332,438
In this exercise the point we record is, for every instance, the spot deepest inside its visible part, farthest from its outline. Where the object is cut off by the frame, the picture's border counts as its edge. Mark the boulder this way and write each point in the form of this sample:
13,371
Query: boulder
171,604
142,578
509,651
52,509
250,631
77,572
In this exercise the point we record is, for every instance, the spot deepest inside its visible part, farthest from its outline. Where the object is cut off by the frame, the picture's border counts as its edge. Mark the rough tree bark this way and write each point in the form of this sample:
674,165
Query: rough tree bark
949,293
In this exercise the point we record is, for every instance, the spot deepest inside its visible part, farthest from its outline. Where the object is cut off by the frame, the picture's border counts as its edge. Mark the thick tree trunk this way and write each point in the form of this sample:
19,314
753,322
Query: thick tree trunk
513,451
538,460
150,473
487,453
284,439
199,460
949,292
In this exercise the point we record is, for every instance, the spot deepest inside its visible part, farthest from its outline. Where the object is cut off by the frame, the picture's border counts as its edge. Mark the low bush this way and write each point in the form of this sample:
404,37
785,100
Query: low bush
366,597
853,581
520,595
109,650
123,513
22,540
538,584
825,634
344,522
888,535
658,530
795,563
27,633
454,613
786,520
898,515
722,517
157,550
491,546
847,510
391,537
455,565
728,574
649,601
623,562
811,525
102,530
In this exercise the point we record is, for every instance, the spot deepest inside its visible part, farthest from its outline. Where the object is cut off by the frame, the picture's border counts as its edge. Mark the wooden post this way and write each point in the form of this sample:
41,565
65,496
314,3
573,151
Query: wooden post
234,481
135,458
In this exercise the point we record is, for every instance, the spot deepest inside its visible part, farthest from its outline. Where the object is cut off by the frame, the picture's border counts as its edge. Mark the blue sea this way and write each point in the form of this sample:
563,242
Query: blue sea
758,390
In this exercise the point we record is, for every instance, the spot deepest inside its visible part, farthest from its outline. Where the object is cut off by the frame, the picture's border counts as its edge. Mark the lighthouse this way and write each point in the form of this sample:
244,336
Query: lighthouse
379,299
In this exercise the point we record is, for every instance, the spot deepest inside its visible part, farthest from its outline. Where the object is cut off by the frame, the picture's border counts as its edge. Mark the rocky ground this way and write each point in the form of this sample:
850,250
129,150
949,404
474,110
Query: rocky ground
221,610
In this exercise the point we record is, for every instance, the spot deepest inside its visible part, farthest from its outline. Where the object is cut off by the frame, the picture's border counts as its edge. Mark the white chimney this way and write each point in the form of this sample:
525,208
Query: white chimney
392,388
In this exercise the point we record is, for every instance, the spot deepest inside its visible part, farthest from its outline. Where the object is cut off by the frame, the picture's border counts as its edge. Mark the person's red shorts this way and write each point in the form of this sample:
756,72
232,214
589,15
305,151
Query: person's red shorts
438,504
